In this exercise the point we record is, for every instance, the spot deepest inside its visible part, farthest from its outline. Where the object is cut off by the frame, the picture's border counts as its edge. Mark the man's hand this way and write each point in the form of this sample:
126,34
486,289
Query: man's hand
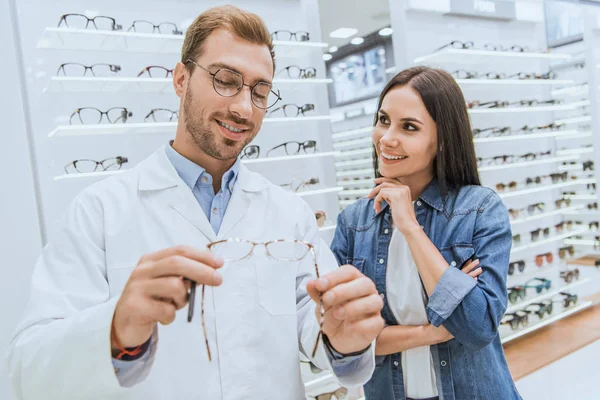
352,308
156,289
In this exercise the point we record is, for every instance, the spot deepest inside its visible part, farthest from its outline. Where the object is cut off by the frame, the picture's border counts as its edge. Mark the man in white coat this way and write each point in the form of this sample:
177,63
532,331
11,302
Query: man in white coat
103,320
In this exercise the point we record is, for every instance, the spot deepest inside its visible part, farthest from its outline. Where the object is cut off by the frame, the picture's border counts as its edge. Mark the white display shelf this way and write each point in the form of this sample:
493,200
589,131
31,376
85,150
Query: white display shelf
581,197
354,163
538,272
152,127
356,192
546,295
559,135
585,150
327,228
319,191
351,153
291,158
578,135
319,382
515,82
70,84
468,55
355,142
571,91
345,203
574,120
585,213
526,109
357,183
560,211
351,133
548,160
546,322
555,238
356,172
96,40
581,242
87,175
574,182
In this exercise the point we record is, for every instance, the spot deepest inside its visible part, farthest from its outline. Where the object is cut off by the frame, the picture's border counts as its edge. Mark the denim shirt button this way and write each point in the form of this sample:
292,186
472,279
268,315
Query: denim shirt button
381,261
382,295
396,363
453,263
443,363
386,231
419,203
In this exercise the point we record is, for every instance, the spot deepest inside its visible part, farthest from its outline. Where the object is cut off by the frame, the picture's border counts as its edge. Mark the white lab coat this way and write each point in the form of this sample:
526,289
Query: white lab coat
257,320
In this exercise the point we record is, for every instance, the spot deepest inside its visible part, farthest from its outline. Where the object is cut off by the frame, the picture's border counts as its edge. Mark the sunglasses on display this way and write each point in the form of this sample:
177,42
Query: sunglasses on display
570,275
524,75
293,110
298,36
539,259
80,21
594,225
564,251
91,115
156,71
562,203
493,131
516,239
234,250
161,115
516,265
501,187
568,299
463,74
516,320
298,184
516,294
592,206
544,284
295,72
588,165
540,309
543,128
531,209
535,235
98,70
87,166
143,26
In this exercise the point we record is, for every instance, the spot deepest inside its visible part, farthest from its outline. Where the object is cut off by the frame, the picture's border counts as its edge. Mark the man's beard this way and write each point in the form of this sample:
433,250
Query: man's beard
205,139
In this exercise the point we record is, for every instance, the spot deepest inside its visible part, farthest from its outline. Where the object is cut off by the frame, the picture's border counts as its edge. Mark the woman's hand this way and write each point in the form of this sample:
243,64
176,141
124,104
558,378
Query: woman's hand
399,198
472,269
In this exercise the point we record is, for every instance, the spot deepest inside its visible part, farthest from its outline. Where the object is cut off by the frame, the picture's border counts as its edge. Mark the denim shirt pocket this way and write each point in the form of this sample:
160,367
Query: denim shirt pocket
356,262
458,254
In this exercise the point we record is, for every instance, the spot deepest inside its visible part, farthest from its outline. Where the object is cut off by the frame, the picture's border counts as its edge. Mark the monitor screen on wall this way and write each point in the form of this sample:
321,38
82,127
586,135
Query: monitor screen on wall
564,22
358,76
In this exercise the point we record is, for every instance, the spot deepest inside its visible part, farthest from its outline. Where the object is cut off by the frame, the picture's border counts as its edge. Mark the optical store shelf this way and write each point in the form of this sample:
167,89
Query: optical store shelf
484,56
575,182
552,239
69,84
550,293
256,161
319,191
514,82
152,127
547,321
96,40
560,107
560,211
548,160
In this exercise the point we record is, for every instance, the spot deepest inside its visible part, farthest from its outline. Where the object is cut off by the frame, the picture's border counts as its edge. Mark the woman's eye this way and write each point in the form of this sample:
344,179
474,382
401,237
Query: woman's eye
382,119
410,127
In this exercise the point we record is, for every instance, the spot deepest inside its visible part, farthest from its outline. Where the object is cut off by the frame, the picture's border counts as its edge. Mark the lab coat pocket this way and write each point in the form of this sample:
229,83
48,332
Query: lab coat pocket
118,274
277,286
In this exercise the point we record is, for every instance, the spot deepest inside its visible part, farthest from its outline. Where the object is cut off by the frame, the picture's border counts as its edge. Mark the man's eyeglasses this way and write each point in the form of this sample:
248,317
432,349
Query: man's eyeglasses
299,36
228,83
99,70
80,21
295,72
157,70
161,115
87,166
142,26
91,115
293,110
298,184
239,249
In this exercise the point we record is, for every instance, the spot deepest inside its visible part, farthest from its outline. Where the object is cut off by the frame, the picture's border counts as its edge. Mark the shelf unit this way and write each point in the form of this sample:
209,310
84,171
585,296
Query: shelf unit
472,55
546,295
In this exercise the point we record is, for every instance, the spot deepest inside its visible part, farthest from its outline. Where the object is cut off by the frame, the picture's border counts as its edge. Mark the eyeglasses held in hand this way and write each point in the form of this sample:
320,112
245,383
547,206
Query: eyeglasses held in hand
234,249
142,26
161,115
228,83
295,72
87,166
156,71
299,36
80,21
297,184
293,110
98,70
91,115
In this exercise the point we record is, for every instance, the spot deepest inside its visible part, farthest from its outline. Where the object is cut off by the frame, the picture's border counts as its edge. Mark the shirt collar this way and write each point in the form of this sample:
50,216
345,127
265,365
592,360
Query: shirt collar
433,196
190,172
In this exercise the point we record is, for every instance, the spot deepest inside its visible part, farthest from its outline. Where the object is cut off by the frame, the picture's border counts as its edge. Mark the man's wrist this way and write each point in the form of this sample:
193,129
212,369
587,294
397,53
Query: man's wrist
328,344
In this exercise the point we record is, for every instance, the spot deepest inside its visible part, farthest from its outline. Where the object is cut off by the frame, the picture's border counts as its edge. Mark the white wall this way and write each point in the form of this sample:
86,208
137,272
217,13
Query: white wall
20,240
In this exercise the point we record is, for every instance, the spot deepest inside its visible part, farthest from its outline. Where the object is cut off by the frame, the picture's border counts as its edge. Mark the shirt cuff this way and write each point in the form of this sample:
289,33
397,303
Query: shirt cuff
452,288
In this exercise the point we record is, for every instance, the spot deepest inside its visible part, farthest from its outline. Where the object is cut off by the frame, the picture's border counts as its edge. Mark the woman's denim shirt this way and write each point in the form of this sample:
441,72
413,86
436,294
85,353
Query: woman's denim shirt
471,223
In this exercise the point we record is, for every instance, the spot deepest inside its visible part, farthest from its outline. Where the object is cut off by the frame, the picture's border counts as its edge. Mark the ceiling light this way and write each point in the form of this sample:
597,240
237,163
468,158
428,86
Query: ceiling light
327,56
386,31
343,33
357,40
333,49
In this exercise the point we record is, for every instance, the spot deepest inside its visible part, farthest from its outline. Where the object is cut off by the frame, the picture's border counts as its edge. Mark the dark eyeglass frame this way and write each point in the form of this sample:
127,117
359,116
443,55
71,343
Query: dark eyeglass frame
119,161
563,251
569,275
115,26
125,113
274,36
543,308
535,235
153,112
301,183
516,293
568,299
300,110
113,68
493,131
457,44
516,319
303,73
149,69
239,89
520,265
544,284
250,151
155,27
301,146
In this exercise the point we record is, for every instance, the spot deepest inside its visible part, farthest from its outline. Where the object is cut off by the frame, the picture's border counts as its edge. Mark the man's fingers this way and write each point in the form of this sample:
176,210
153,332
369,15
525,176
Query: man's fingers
177,265
203,256
359,308
162,311
348,291
172,288
345,273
